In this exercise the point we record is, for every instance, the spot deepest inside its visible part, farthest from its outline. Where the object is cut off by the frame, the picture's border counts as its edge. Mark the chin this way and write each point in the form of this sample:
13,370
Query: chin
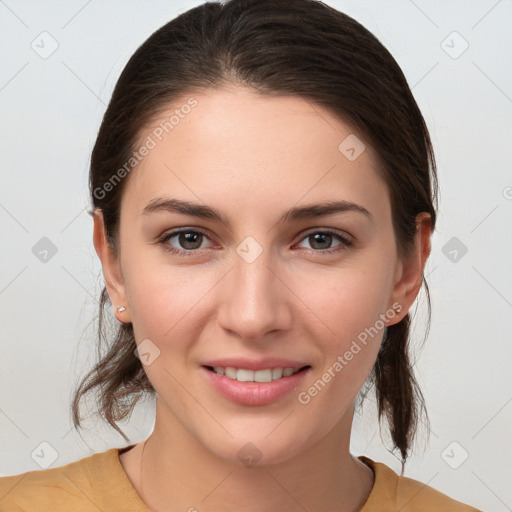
260,449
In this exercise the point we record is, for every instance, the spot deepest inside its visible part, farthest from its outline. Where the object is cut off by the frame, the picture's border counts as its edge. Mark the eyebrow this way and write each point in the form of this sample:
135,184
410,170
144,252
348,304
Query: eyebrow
296,213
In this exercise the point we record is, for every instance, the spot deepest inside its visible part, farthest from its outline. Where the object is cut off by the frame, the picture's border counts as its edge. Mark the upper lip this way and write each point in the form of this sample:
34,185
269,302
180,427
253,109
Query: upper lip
255,364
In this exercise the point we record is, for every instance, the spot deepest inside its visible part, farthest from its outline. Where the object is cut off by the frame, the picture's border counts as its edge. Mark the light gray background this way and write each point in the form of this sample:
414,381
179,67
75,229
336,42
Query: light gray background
50,112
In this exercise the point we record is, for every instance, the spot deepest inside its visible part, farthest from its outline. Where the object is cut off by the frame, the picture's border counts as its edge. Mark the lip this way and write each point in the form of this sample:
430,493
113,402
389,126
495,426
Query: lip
255,365
254,393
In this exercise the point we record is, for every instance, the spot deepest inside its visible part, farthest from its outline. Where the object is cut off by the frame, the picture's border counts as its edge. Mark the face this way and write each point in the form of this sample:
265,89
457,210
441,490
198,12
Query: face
271,283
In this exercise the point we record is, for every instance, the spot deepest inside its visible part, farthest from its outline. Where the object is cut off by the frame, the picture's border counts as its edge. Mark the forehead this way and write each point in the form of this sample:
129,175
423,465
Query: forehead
240,144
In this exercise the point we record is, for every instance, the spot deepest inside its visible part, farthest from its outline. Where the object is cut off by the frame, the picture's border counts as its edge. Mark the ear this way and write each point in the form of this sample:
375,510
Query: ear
111,268
409,274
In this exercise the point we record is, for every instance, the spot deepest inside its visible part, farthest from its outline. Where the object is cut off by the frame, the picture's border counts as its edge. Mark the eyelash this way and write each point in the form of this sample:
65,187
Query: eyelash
345,242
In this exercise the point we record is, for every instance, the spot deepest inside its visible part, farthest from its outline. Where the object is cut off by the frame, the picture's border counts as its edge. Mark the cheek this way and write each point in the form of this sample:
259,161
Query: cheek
349,303
161,295
348,326
348,352
164,310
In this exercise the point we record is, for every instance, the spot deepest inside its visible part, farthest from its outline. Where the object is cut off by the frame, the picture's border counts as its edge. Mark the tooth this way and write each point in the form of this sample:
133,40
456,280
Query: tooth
263,376
230,372
243,375
277,373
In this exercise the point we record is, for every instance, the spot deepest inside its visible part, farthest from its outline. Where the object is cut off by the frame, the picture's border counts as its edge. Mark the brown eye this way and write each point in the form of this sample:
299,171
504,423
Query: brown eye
321,241
186,243
189,240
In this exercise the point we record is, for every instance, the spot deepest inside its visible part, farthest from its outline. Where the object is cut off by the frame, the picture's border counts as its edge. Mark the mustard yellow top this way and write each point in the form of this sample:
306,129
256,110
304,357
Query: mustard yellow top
99,483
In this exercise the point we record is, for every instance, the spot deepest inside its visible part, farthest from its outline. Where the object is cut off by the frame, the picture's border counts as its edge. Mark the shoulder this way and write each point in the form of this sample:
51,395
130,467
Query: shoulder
399,493
76,486
415,496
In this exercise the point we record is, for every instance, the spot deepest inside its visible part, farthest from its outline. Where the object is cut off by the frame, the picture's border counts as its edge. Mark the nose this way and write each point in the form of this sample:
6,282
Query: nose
256,300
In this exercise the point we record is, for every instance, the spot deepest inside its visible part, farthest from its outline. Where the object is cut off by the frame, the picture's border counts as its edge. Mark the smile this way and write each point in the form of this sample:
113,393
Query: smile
245,375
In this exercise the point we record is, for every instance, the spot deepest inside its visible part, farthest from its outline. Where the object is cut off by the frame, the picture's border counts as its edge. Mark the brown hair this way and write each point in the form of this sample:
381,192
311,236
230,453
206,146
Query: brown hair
303,48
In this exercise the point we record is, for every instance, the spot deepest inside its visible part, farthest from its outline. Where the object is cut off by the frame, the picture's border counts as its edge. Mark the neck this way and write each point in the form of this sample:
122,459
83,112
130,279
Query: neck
175,472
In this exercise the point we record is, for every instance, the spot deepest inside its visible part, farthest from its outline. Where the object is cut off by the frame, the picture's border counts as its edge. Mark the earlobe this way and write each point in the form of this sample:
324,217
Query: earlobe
111,269
410,275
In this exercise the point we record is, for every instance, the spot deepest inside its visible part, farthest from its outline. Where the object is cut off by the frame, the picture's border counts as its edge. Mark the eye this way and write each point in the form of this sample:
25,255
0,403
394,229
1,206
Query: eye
189,240
321,241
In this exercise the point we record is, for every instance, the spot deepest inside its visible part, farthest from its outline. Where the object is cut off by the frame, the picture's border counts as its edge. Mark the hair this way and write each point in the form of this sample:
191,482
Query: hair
299,48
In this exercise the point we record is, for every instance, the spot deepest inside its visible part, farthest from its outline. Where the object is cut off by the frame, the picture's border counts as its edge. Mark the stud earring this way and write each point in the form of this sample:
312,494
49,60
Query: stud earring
120,309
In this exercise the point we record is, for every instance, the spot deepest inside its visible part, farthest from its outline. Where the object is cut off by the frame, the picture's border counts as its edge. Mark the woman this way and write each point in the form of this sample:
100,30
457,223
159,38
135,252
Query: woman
264,193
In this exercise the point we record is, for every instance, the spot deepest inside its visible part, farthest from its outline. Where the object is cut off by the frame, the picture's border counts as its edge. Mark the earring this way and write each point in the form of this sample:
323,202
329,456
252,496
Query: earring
120,309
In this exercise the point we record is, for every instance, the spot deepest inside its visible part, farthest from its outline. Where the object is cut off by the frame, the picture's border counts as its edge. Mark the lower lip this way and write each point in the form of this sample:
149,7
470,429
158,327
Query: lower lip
254,393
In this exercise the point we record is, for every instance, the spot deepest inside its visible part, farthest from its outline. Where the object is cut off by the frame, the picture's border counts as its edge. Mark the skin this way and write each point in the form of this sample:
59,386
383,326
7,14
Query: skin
254,157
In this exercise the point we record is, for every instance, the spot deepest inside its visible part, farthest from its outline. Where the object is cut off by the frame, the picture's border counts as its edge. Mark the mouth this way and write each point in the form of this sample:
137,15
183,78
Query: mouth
263,375
266,383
